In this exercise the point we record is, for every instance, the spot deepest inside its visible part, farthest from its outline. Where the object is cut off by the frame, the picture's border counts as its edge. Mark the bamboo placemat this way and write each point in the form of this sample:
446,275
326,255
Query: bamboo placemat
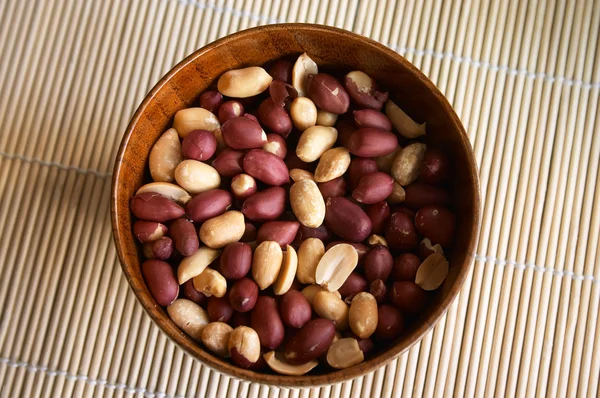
524,76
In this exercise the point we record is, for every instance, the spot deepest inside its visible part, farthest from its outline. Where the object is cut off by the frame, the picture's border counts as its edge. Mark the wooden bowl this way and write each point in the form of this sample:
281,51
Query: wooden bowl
411,90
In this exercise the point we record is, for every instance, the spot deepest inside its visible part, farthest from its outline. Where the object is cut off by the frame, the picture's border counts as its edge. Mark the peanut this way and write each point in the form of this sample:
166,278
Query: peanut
244,83
189,316
190,119
277,362
287,272
432,272
402,122
314,141
407,164
219,231
211,283
363,316
196,177
326,119
215,337
329,306
168,190
332,164
344,353
244,346
304,113
307,203
303,67
299,175
309,255
266,263
335,266
164,157
195,264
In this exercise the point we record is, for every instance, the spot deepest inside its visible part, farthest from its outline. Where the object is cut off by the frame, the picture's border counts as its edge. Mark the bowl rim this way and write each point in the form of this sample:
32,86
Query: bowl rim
382,358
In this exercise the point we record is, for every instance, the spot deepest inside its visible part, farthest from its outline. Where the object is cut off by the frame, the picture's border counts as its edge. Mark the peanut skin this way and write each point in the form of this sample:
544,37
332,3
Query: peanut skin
161,281
266,205
184,236
235,261
347,219
266,321
150,206
282,232
266,167
295,309
310,342
436,223
327,93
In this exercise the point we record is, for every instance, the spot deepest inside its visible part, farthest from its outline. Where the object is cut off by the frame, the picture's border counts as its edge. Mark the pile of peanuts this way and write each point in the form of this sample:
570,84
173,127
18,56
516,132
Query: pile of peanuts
292,249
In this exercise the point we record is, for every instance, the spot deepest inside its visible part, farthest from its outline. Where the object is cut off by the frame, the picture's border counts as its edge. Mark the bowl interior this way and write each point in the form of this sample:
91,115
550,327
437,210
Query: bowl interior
411,90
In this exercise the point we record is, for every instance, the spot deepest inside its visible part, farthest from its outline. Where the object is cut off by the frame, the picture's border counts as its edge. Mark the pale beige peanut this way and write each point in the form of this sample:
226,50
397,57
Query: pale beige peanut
165,156
375,240
189,316
329,306
266,263
307,203
407,164
219,231
246,342
344,353
190,119
364,92
244,83
332,164
275,147
278,363
432,272
309,254
303,67
336,265
168,190
303,113
196,177
210,283
384,163
325,118
243,185
398,194
428,247
195,264
363,315
287,272
310,291
314,141
402,122
299,175
215,337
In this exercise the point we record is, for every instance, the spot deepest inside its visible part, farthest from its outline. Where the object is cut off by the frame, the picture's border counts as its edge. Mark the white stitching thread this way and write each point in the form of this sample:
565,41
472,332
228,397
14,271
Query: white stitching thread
405,50
524,266
93,382
54,164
